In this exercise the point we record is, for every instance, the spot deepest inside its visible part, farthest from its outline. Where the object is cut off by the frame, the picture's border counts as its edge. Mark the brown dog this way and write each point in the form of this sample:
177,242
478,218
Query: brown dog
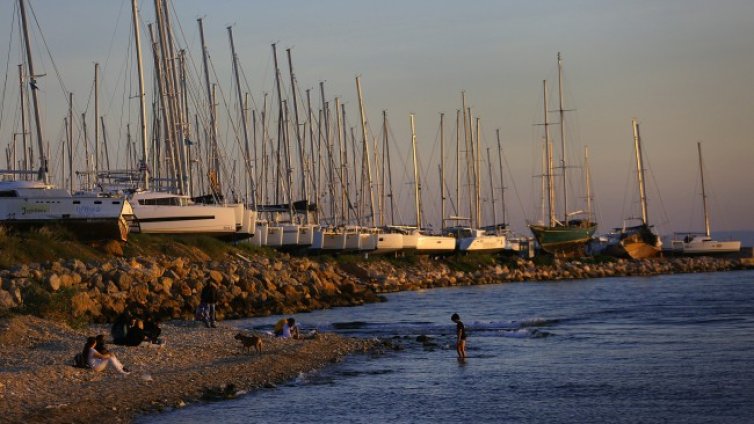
250,341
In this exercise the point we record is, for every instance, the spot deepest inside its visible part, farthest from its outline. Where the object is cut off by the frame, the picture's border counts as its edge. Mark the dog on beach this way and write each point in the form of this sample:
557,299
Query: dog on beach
250,341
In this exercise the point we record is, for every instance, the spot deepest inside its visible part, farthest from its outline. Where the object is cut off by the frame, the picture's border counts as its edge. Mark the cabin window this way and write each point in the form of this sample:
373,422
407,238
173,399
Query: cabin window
98,202
8,193
77,202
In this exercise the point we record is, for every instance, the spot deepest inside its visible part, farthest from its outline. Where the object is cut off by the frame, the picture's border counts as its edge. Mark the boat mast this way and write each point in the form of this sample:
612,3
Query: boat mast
442,171
43,170
562,111
344,213
640,172
70,141
417,188
588,182
366,151
548,170
96,121
502,180
704,194
389,167
26,162
244,122
492,187
299,138
210,99
477,176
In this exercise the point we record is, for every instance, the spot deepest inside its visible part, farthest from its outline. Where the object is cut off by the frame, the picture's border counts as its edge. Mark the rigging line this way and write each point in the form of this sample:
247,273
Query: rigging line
49,53
7,63
112,42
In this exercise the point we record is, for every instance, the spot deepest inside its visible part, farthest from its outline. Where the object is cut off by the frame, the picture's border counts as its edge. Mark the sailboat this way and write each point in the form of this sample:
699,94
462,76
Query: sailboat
474,239
702,243
163,212
570,235
637,242
414,238
26,204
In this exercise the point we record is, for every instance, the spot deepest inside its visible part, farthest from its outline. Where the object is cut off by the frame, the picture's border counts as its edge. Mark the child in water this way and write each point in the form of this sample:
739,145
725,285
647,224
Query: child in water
460,336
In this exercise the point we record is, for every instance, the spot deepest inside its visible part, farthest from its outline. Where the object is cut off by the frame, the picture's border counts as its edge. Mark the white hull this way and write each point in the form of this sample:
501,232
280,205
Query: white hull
705,246
482,244
368,241
290,235
435,244
388,243
274,236
27,203
259,238
306,235
165,213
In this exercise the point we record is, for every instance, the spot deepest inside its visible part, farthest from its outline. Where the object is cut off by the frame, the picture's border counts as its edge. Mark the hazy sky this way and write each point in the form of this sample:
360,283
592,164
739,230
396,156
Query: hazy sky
684,68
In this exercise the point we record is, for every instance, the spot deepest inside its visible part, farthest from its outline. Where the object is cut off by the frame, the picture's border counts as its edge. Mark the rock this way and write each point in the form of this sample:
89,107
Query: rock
6,300
81,304
53,282
216,276
122,280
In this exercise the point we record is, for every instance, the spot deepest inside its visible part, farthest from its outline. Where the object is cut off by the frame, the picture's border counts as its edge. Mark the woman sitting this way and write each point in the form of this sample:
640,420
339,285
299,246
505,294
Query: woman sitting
99,361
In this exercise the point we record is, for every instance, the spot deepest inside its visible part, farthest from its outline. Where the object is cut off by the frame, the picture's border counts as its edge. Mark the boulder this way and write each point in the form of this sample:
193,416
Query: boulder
53,282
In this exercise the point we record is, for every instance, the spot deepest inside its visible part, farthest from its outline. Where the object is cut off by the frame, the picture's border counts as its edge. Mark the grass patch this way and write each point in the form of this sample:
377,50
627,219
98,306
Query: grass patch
42,244
52,306
470,262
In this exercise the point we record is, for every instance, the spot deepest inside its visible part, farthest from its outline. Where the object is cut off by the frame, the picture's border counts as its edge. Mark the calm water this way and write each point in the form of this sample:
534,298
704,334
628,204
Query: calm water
674,348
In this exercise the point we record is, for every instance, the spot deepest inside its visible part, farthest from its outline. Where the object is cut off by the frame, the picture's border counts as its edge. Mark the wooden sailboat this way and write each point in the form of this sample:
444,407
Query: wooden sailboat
702,243
640,241
569,236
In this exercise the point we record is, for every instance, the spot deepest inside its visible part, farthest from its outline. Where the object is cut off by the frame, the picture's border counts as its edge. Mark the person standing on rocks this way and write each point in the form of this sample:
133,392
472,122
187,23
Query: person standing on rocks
460,336
209,299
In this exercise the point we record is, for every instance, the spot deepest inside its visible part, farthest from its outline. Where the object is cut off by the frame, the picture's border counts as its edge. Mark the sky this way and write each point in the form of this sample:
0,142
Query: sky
683,68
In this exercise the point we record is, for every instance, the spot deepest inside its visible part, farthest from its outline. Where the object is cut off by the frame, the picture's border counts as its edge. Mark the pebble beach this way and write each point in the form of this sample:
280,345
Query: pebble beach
39,384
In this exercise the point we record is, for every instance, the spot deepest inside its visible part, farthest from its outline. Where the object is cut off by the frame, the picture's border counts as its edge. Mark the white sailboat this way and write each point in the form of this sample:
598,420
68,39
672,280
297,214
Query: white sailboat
33,203
167,213
702,243
414,238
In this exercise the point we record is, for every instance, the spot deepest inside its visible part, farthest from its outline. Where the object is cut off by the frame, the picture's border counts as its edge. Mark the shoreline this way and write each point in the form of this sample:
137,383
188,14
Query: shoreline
38,383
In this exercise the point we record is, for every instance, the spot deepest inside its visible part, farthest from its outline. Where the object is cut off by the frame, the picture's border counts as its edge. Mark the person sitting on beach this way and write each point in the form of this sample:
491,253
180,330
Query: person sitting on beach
290,329
99,361
152,329
120,327
100,345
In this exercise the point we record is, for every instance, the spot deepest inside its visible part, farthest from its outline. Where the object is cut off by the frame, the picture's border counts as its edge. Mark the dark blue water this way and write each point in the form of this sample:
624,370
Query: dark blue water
676,349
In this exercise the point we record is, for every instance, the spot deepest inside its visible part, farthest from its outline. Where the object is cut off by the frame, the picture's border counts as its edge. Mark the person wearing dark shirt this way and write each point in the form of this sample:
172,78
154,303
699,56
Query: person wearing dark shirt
209,298
460,336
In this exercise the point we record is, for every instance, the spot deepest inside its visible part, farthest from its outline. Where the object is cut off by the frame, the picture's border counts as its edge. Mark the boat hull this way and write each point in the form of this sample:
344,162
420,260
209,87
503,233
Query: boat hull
88,217
563,240
636,243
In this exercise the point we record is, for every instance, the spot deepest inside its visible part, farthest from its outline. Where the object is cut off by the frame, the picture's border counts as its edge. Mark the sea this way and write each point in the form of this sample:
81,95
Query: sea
662,349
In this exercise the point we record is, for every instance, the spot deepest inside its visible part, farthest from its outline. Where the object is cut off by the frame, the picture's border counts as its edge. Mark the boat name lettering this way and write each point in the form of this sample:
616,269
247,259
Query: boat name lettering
31,208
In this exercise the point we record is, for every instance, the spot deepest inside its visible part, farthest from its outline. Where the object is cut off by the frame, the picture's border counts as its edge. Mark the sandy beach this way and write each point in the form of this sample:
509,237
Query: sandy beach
38,383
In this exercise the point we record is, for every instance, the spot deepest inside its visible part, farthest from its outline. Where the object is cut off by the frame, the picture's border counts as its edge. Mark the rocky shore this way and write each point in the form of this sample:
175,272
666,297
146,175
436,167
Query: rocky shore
258,285
38,384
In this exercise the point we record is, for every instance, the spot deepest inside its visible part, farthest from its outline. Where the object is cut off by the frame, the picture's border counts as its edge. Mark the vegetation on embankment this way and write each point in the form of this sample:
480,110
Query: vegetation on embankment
48,274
